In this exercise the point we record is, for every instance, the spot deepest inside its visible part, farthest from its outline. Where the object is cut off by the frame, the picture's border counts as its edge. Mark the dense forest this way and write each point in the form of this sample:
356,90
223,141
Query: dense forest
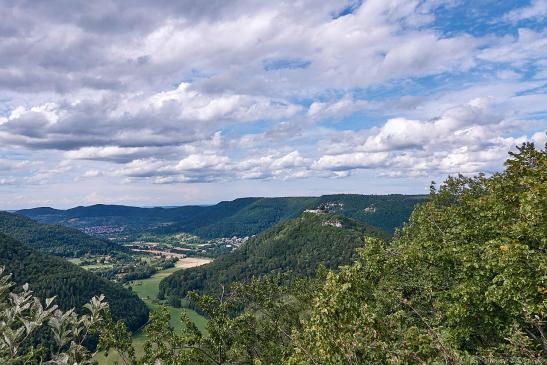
255,215
296,246
55,240
240,217
462,283
73,286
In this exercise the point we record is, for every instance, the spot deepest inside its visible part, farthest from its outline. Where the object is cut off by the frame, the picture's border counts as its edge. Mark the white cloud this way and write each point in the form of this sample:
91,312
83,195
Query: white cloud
119,128
145,95
469,138
349,161
336,109
536,10
92,173
199,162
528,46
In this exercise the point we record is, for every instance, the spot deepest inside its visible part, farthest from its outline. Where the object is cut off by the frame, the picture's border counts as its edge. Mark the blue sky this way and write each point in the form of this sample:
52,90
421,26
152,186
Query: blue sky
183,102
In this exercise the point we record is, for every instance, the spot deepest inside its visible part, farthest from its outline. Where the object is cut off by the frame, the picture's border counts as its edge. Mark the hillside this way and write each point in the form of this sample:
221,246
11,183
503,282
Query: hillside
52,239
297,245
73,286
240,217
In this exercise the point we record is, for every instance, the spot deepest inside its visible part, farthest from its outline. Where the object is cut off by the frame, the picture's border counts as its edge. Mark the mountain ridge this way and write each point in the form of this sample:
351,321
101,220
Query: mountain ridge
54,239
298,246
73,286
239,217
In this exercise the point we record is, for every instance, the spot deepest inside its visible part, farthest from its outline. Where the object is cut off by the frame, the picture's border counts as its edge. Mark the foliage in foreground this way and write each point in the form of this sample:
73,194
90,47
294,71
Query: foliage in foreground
462,283
22,315
72,286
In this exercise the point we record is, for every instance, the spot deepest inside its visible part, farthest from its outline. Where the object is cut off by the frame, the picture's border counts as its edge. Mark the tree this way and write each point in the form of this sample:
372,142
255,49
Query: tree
22,315
463,282
174,301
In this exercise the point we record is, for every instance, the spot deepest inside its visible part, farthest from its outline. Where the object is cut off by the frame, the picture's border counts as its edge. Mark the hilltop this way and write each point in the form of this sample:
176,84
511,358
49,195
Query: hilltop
73,286
54,239
239,217
297,246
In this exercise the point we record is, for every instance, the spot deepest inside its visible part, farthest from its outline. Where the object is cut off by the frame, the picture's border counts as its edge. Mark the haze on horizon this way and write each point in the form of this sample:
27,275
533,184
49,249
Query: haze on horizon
157,103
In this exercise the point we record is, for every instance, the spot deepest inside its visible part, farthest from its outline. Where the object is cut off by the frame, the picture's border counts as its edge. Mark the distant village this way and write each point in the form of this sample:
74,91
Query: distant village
102,230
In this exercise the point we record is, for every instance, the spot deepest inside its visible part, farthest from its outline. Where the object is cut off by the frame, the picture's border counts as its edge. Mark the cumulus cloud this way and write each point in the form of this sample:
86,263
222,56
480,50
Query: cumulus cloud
182,92
350,161
469,138
122,126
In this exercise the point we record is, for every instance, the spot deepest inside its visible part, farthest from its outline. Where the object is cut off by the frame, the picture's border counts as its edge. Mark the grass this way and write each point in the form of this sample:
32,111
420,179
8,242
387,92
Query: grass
147,290
78,261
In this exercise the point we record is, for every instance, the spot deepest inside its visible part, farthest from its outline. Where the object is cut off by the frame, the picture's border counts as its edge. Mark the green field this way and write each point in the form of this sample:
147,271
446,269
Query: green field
78,261
147,290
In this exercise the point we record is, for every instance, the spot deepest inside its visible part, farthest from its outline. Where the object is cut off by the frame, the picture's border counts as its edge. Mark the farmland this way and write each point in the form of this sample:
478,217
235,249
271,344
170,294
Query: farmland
147,290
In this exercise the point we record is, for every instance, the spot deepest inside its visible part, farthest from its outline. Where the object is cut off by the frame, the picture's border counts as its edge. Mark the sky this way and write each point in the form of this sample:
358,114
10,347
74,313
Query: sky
160,102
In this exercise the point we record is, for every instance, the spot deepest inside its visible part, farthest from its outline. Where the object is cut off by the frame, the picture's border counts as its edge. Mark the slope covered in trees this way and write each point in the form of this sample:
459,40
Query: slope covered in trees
51,276
297,246
55,240
462,284
240,217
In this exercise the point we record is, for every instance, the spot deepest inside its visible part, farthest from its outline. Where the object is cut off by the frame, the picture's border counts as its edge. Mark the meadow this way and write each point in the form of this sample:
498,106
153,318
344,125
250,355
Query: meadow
147,290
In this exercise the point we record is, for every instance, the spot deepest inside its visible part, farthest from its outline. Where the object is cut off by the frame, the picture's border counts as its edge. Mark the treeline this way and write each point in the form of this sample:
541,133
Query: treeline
240,217
250,216
298,246
463,283
72,286
55,240
135,269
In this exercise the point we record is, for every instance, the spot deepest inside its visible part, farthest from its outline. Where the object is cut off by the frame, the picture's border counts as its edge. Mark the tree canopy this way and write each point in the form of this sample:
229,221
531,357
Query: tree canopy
53,239
296,246
462,283
72,286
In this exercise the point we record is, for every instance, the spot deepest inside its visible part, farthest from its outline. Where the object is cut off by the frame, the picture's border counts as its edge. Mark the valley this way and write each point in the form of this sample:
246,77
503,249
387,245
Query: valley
156,256
147,290
310,269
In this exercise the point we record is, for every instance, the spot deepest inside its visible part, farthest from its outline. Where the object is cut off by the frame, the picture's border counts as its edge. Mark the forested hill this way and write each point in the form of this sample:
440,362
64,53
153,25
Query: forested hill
298,246
53,239
240,217
73,286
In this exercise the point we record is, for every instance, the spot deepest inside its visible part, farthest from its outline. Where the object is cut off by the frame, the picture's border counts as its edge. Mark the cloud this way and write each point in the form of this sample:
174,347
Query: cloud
350,161
214,167
7,181
536,10
342,107
92,173
200,162
526,47
143,95
12,165
469,138
123,124
236,45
